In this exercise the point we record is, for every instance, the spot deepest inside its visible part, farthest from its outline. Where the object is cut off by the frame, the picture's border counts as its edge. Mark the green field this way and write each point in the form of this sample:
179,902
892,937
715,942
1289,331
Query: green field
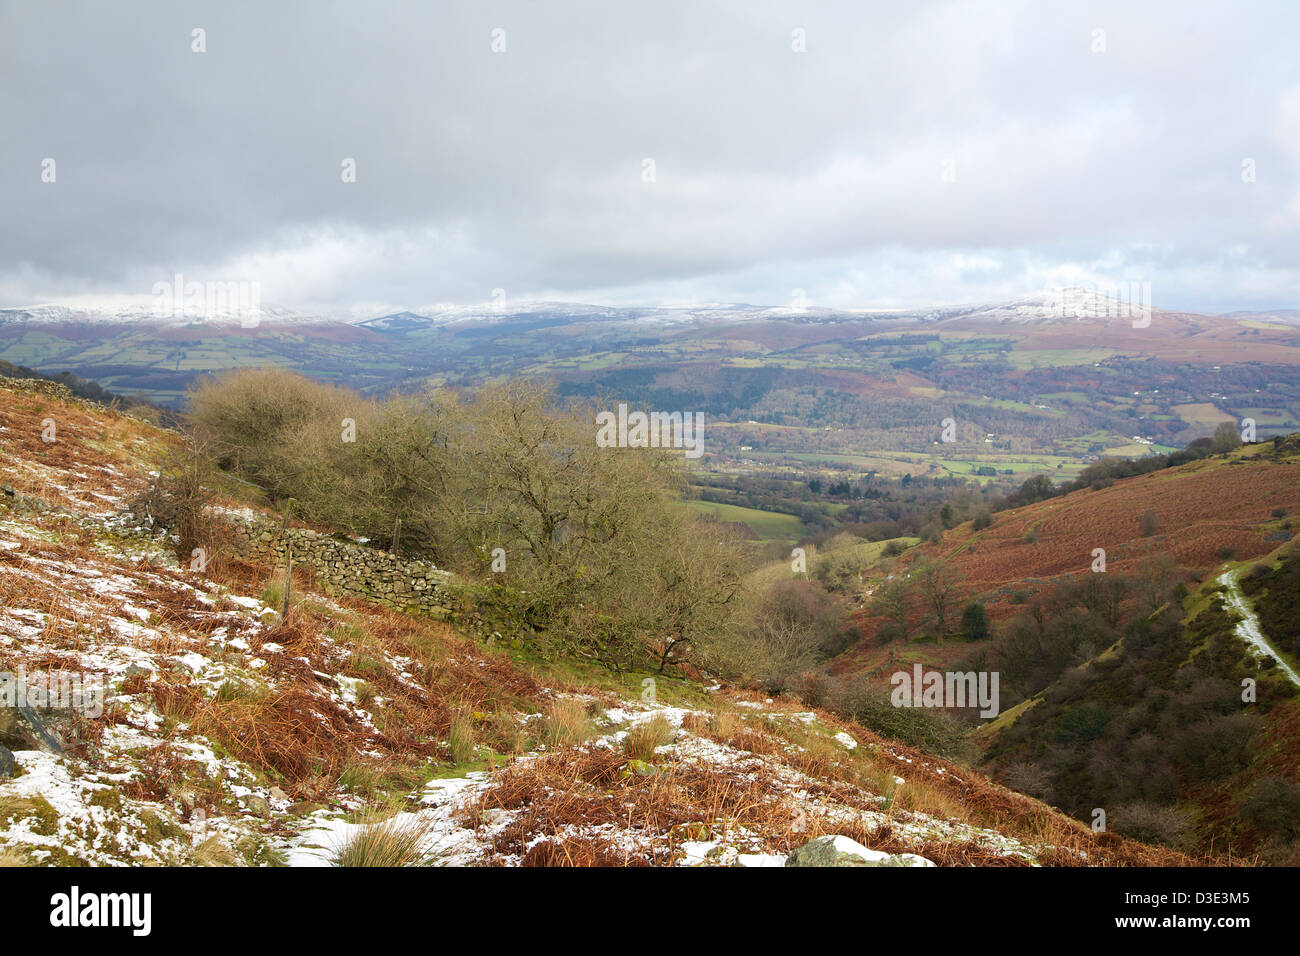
768,525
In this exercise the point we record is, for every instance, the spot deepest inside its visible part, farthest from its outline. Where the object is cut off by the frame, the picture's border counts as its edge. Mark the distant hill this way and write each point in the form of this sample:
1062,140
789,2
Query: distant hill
1047,381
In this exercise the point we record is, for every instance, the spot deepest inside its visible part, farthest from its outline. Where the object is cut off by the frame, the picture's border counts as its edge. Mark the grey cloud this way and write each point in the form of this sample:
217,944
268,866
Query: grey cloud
774,170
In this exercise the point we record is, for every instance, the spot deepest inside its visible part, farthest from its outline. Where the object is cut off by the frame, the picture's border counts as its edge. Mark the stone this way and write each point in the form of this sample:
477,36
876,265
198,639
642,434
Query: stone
45,740
14,732
345,567
842,851
7,762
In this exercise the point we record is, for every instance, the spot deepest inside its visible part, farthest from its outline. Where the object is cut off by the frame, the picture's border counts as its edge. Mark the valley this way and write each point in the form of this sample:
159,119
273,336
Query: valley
816,393
343,733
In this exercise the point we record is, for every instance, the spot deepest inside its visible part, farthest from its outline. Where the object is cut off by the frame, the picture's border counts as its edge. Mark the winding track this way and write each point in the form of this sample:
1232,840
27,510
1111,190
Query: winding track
1248,628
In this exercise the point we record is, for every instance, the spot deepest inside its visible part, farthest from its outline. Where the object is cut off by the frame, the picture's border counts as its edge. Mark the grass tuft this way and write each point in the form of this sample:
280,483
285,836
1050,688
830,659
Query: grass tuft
462,739
392,842
643,739
566,723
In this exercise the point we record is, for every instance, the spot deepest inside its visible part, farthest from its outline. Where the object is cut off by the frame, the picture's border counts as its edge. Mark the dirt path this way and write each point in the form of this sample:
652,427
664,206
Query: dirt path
1248,628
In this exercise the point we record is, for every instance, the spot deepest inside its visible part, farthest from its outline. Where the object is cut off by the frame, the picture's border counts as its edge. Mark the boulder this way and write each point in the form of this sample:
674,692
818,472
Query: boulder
7,763
842,851
14,732
35,736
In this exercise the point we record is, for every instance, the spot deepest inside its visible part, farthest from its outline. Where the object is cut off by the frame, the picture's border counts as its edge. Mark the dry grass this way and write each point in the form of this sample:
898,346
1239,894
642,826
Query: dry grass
582,851
732,729
299,731
378,777
943,789
213,852
506,734
572,799
462,739
562,795
12,856
566,723
292,732
643,739
391,842
97,452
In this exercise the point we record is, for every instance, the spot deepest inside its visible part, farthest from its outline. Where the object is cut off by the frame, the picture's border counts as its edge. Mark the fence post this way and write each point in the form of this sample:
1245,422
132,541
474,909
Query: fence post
288,560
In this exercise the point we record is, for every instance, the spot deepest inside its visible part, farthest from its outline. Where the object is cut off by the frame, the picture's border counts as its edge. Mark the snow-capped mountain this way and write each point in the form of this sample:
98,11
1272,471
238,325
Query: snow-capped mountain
1047,307
581,313
1069,303
164,315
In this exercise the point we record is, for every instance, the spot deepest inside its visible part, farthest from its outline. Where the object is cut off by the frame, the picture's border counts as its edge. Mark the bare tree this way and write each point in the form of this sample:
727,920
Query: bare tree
689,591
938,584
893,600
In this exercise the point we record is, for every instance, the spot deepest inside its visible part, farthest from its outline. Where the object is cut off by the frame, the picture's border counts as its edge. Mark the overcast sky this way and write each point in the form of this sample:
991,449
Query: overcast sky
916,153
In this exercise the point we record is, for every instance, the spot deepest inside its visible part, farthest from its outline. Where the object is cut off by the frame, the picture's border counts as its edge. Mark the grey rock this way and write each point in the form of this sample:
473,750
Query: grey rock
47,741
842,851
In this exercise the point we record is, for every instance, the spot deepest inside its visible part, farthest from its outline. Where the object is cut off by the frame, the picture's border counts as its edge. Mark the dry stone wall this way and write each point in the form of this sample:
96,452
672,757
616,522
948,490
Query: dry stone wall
339,567
39,386
347,568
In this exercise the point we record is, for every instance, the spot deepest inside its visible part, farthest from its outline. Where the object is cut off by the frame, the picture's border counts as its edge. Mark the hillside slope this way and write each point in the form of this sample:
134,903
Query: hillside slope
1186,731
1200,515
348,733
1151,688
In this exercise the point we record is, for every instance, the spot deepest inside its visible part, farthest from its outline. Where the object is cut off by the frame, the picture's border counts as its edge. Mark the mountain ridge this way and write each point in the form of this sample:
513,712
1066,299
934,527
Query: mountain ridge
1076,304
